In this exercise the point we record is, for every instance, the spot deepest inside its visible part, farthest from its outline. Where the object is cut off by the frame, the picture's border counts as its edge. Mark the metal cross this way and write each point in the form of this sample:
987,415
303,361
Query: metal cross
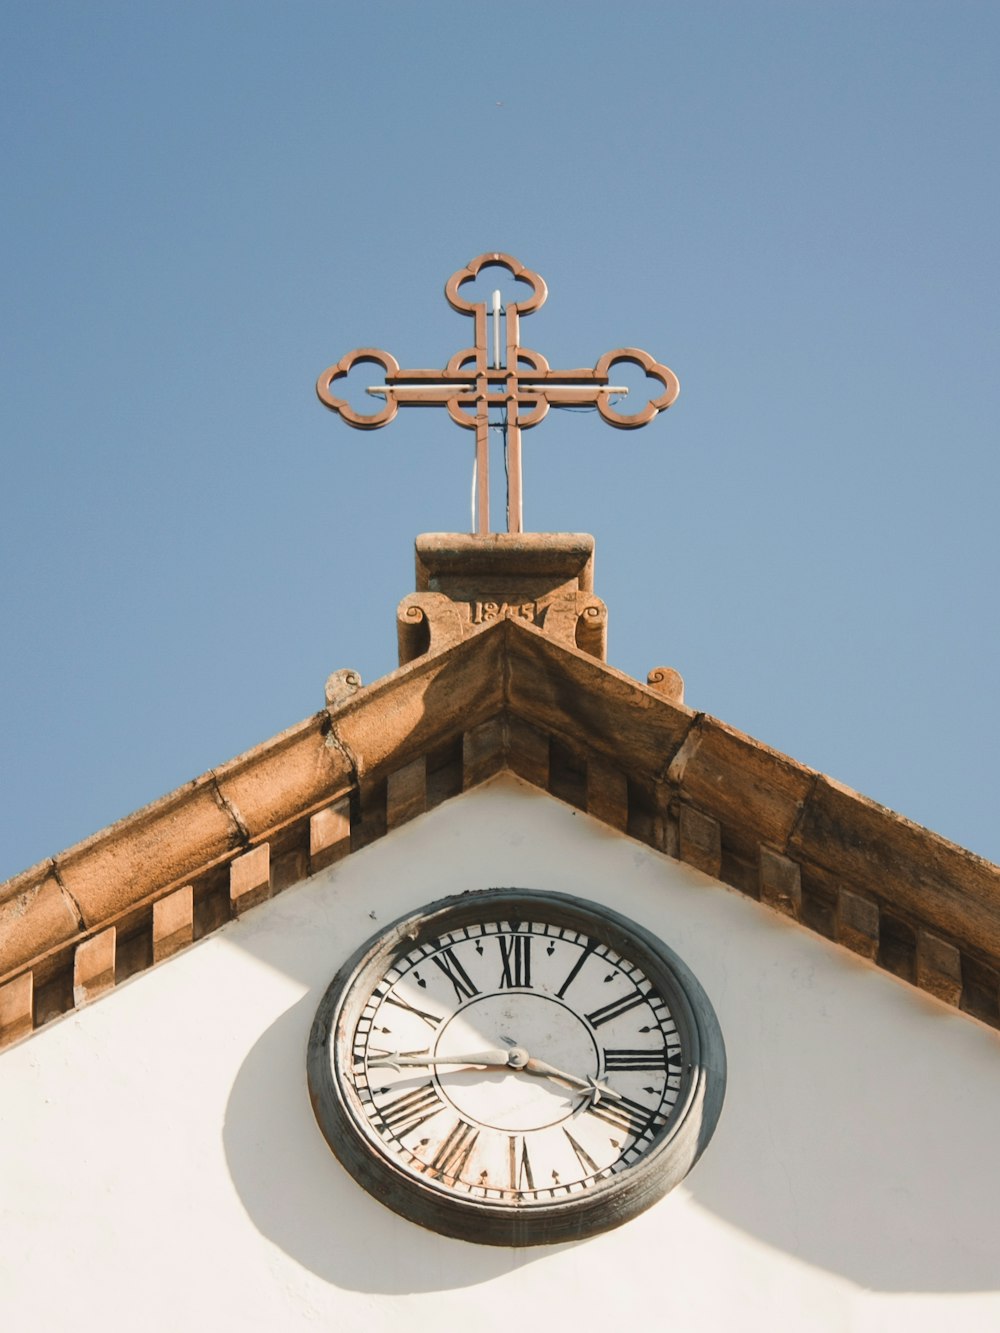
497,373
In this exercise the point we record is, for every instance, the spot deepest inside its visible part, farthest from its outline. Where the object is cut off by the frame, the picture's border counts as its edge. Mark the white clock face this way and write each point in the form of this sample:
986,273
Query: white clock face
511,1054
516,1060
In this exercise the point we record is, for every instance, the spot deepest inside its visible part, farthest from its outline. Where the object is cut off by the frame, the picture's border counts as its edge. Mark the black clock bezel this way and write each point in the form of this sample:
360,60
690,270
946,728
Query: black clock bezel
607,1203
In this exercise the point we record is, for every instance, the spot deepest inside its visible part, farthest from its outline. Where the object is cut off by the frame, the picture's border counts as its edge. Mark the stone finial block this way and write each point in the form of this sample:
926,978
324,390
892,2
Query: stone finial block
668,682
857,923
250,879
939,967
607,793
329,835
579,620
428,622
780,883
406,793
483,752
592,628
505,561
173,923
16,1000
700,840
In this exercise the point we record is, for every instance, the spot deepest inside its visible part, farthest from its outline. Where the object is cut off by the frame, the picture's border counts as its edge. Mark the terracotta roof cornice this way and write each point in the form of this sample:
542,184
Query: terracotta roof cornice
504,695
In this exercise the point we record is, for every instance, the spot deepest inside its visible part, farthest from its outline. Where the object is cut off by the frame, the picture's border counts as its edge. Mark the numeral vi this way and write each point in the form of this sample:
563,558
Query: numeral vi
520,1167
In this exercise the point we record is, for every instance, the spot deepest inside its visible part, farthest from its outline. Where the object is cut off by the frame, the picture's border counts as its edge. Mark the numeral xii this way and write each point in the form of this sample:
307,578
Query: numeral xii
515,959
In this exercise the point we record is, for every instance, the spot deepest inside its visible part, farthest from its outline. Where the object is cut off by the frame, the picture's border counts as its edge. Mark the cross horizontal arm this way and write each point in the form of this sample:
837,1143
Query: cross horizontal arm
453,386
496,375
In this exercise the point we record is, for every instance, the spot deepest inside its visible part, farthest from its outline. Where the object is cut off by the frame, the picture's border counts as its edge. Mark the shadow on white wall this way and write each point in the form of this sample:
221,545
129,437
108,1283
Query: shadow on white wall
859,1131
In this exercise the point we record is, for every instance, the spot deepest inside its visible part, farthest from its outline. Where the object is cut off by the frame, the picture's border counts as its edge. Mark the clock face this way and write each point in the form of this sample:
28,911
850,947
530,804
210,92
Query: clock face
516,1067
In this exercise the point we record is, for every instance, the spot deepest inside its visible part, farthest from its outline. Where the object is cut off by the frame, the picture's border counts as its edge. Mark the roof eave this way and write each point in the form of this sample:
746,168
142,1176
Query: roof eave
507,697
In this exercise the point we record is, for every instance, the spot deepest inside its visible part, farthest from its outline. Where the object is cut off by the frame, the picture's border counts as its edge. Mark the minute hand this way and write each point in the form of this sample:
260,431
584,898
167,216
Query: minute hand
395,1060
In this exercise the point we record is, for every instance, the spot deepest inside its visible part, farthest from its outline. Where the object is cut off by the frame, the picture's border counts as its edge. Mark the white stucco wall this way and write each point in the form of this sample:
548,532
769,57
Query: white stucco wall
160,1165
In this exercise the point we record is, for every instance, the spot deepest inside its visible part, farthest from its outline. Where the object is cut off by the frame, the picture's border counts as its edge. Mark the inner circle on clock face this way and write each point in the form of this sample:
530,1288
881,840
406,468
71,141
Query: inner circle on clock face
509,1099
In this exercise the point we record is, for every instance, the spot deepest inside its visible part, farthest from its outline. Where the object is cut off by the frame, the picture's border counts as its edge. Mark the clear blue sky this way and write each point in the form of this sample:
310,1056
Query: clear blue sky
793,205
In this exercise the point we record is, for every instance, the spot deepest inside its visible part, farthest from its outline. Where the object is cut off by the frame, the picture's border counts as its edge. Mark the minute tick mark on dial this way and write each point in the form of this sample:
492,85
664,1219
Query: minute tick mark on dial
449,964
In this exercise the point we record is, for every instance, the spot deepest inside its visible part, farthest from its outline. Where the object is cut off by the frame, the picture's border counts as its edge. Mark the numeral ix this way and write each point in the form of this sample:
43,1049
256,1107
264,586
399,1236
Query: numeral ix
411,1109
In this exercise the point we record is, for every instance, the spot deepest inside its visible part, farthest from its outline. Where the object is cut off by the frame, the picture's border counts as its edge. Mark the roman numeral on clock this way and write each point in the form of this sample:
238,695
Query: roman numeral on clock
639,1059
432,1020
582,1156
456,974
515,958
616,1008
591,945
411,1109
517,1160
623,1114
455,1151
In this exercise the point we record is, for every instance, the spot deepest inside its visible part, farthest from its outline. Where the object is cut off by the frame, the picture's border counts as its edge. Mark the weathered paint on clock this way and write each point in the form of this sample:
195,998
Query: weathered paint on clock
516,1067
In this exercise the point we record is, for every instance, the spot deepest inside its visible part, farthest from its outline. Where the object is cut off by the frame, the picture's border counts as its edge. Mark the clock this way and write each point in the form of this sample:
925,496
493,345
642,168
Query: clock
515,1067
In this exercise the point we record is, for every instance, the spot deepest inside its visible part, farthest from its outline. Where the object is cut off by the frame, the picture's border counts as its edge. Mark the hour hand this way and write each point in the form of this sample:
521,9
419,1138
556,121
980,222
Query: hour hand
395,1060
594,1090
